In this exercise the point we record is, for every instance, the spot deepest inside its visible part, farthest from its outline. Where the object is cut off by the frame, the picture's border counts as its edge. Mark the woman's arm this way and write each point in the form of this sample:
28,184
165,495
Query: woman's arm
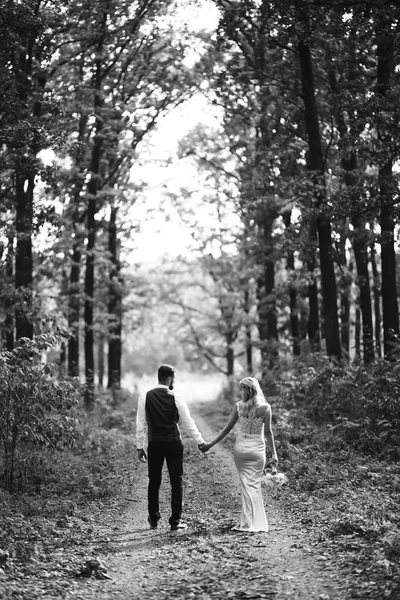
230,424
269,436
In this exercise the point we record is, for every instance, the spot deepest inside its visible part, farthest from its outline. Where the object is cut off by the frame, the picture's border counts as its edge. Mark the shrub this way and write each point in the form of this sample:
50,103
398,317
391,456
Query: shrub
34,405
361,404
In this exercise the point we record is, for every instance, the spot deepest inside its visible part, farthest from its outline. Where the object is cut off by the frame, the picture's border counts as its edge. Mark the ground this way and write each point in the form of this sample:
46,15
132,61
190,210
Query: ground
209,560
329,537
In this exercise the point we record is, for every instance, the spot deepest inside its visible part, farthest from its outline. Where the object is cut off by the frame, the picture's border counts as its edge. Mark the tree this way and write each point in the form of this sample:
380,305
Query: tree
136,74
385,106
316,168
22,53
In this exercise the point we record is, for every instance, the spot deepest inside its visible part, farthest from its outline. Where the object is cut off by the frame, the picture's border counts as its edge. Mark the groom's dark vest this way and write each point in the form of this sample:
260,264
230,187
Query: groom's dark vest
162,416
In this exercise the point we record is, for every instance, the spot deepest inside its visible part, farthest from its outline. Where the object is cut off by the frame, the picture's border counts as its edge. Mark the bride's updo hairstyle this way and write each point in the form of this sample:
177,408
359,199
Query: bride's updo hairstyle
253,397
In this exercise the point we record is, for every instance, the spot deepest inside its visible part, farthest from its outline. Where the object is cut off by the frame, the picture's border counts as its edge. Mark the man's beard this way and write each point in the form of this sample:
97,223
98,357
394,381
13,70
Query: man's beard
171,386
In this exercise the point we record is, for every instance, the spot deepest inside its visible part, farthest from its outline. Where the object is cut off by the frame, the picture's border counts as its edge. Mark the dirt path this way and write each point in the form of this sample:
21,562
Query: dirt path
207,561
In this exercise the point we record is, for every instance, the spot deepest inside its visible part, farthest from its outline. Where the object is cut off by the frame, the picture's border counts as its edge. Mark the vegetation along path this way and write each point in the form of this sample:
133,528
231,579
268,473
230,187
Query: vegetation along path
103,548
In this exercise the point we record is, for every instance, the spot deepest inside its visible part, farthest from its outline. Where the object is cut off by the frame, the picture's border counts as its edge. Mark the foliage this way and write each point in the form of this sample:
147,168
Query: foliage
34,405
68,502
361,405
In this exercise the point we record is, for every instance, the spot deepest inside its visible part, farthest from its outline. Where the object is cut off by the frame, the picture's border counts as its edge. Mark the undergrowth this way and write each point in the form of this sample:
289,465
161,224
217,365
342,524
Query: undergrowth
60,494
359,405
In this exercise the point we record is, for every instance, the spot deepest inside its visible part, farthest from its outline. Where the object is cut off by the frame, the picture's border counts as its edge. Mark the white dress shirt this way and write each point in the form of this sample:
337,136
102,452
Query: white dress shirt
184,418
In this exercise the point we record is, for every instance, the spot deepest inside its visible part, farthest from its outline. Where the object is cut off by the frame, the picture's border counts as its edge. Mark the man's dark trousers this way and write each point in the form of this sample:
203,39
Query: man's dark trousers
172,452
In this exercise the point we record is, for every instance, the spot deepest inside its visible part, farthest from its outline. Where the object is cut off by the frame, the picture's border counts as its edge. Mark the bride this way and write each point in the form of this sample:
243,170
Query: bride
254,416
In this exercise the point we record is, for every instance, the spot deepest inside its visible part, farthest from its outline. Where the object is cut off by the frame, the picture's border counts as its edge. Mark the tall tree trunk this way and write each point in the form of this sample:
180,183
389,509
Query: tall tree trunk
345,280
385,70
100,359
74,289
89,275
23,256
376,290
26,170
266,297
248,342
92,189
358,332
316,169
74,303
313,323
294,315
114,307
9,304
361,258
345,315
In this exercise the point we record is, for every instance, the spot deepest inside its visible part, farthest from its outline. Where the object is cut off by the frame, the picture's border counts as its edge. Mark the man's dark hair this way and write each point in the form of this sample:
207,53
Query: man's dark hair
165,371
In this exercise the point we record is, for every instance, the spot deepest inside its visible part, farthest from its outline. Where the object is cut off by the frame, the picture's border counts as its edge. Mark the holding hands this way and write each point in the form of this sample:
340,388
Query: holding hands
204,447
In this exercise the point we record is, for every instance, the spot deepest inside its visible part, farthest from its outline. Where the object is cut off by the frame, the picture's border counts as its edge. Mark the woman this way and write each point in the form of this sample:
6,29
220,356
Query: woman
254,416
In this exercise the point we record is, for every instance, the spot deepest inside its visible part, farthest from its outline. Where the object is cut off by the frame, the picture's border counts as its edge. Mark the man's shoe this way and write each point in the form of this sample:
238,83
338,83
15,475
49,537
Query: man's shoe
153,524
179,526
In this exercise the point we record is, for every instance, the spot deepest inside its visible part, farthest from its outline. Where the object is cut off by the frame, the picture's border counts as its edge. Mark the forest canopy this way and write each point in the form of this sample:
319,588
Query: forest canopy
292,203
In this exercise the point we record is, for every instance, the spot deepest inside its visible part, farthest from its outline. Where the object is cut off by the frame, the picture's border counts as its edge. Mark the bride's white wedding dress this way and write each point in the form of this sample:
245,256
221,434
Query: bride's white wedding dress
249,455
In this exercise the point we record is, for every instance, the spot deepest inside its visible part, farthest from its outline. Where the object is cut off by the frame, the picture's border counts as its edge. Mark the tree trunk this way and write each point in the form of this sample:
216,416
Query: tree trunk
9,304
345,314
63,359
74,290
89,278
230,360
358,333
31,81
23,256
74,303
313,323
266,305
92,189
345,280
376,290
249,344
316,169
100,359
361,258
385,70
114,307
294,315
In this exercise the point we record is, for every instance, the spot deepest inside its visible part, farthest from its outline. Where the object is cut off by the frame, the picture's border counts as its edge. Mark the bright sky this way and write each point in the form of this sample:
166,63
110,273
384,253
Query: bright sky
159,236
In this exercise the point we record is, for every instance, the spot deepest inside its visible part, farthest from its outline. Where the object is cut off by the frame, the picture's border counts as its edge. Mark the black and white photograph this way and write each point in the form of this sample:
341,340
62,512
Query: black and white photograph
199,300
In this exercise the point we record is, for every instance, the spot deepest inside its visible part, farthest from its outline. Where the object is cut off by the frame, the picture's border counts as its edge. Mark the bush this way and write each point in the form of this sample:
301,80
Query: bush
361,405
34,405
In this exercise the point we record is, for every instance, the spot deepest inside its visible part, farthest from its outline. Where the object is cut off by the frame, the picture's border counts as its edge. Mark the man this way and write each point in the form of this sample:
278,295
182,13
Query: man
158,414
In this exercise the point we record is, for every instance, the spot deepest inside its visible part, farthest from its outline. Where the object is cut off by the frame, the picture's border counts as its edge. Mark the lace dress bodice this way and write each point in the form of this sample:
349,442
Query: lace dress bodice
251,427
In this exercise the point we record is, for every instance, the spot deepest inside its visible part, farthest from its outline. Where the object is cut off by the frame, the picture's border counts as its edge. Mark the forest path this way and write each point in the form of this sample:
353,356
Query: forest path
208,560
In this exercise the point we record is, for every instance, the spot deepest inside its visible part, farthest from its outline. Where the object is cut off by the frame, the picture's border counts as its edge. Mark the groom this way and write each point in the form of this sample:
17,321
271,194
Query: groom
158,414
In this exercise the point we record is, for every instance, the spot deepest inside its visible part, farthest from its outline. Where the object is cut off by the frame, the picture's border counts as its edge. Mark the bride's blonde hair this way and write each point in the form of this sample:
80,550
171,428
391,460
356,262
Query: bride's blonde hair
253,396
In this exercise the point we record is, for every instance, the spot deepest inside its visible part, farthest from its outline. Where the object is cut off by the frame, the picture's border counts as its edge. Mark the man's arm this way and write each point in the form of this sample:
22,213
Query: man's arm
141,428
187,421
